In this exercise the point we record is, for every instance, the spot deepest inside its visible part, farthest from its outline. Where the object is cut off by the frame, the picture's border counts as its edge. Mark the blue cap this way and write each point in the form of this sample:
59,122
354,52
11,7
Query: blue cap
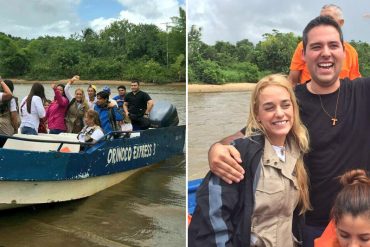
106,89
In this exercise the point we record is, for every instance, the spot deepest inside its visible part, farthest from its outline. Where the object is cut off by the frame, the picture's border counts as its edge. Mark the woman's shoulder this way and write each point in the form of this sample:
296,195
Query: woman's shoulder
250,147
252,140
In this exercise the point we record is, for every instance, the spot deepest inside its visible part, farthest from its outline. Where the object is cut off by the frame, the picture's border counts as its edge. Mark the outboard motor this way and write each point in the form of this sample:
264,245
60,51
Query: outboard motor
163,114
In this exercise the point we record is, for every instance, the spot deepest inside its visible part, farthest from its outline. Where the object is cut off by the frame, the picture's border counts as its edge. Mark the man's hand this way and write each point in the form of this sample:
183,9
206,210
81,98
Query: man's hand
224,161
111,105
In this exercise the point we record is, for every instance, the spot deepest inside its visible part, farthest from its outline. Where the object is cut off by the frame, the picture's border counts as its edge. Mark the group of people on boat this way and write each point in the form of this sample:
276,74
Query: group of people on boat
297,174
90,116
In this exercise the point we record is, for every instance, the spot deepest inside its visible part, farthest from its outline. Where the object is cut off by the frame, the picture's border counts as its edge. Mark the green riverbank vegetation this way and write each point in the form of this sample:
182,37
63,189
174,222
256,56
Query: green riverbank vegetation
247,62
122,51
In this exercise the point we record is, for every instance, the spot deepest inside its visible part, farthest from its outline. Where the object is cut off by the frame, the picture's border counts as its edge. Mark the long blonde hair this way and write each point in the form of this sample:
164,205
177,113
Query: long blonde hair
83,100
297,134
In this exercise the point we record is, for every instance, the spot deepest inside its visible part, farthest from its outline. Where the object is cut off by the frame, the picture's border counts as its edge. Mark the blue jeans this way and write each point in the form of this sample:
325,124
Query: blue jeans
28,130
310,233
56,131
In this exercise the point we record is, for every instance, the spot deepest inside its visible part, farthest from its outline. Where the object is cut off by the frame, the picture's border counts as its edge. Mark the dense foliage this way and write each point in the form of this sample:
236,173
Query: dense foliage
246,62
122,51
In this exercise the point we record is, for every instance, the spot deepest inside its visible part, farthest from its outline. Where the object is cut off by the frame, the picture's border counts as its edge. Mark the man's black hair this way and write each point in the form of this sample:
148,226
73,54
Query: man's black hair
103,94
121,86
320,21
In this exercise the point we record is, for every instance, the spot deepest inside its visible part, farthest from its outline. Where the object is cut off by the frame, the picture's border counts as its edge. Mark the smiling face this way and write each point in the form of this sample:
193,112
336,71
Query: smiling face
275,113
79,95
324,55
101,101
60,89
354,231
91,92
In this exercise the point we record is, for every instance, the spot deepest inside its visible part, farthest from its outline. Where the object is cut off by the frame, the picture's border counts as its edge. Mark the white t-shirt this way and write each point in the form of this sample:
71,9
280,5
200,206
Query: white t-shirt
1,97
96,135
91,103
32,119
13,105
67,92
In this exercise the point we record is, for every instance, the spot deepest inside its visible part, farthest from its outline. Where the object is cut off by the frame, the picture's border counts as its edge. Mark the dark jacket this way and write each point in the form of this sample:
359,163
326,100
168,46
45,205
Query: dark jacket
108,118
236,204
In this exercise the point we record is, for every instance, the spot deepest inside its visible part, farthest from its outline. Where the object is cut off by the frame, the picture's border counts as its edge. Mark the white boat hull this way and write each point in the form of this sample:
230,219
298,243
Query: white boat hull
15,194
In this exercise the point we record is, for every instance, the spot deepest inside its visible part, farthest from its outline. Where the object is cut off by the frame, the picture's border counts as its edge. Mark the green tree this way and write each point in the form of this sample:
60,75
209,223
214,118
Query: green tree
363,50
275,52
15,65
8,54
177,36
122,50
244,50
194,43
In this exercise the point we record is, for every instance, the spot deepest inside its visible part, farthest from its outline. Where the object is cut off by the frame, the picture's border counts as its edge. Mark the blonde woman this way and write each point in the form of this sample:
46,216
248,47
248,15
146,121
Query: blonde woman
76,108
258,211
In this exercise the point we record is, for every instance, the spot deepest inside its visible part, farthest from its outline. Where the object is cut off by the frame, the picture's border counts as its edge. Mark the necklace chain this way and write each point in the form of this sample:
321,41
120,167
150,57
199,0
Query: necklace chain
334,118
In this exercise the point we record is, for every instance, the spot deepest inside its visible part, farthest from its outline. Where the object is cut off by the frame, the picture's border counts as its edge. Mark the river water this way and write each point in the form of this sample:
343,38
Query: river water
146,209
211,117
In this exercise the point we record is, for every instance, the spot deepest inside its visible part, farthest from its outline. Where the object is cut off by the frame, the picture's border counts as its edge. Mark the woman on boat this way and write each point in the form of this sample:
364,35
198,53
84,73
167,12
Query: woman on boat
43,126
91,96
56,112
92,131
9,119
350,225
76,108
32,109
252,212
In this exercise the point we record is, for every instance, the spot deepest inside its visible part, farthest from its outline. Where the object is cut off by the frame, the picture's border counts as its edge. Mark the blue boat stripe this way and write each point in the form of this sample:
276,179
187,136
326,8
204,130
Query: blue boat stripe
215,205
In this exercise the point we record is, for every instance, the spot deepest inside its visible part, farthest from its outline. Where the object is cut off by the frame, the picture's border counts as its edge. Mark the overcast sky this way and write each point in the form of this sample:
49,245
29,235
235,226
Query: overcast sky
234,20
34,18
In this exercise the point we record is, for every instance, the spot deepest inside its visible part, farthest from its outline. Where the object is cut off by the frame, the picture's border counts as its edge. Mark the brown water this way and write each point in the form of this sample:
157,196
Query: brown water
147,209
211,117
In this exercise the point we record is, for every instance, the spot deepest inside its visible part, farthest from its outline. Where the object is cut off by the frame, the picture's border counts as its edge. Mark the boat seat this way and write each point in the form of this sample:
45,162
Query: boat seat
42,146
73,148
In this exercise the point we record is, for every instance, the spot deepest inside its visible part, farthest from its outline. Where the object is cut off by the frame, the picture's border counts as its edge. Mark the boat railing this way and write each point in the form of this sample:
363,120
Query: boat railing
122,134
63,142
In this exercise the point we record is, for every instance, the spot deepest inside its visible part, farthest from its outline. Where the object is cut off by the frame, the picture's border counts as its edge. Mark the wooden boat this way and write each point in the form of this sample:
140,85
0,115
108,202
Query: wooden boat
54,168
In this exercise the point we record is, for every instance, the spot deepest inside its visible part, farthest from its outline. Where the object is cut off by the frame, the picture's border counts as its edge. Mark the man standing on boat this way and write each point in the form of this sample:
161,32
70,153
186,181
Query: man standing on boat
120,98
137,106
109,116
